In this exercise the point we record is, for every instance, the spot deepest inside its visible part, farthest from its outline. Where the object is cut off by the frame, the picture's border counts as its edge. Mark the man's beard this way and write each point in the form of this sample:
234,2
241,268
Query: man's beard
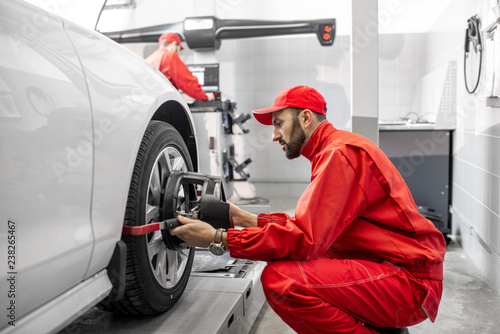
297,138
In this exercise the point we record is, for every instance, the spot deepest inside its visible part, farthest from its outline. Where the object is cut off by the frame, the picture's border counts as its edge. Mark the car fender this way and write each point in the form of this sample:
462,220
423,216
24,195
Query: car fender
126,93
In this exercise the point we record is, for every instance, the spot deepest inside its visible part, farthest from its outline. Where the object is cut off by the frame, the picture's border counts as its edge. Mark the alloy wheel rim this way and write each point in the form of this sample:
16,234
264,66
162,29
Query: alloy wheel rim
167,265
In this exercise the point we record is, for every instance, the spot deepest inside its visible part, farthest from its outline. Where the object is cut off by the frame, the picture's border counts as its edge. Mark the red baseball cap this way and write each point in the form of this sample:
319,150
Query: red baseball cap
302,97
170,37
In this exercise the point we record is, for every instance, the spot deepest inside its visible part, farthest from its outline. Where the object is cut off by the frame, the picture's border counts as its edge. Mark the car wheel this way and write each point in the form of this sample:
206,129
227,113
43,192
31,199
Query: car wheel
156,273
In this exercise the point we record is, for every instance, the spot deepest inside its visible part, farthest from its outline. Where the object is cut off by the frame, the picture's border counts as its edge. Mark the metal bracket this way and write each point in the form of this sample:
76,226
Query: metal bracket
233,166
239,120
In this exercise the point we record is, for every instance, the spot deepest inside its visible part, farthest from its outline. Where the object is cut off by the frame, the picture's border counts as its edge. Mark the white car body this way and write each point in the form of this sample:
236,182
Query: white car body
74,106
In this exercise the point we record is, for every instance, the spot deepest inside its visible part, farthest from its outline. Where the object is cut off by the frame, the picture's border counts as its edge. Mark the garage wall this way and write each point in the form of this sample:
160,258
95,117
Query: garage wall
476,186
401,64
254,71
476,157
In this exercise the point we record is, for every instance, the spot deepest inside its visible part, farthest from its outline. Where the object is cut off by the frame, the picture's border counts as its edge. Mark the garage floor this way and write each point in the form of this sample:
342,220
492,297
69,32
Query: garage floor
469,304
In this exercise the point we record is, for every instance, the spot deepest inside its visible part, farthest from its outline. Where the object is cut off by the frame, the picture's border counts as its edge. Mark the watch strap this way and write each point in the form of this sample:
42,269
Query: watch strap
218,235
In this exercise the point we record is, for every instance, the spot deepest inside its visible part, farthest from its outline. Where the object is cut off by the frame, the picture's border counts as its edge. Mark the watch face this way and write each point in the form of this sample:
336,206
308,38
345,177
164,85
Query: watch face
216,249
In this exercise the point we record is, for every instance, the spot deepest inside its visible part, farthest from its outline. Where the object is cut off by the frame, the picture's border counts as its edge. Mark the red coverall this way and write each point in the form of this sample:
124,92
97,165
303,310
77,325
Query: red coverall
356,252
170,64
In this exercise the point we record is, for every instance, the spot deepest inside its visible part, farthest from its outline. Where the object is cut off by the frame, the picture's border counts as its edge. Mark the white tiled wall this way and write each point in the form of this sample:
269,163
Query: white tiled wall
401,63
476,140
254,71
476,159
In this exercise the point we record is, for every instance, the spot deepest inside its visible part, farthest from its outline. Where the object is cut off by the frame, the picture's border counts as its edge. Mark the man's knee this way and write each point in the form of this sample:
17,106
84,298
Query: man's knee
277,277
276,274
269,277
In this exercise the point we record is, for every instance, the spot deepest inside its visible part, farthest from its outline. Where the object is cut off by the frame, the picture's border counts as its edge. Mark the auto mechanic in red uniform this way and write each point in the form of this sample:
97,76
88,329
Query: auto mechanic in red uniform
357,257
166,59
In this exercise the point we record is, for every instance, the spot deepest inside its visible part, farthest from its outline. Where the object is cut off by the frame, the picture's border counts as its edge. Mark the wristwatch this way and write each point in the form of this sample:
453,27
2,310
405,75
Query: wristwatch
217,247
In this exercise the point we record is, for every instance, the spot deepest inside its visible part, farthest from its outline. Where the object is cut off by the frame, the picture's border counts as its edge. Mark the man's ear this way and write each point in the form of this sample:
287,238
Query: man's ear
306,118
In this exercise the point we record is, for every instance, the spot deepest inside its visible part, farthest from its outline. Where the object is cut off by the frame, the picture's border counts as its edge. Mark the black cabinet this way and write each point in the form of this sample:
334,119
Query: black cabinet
423,158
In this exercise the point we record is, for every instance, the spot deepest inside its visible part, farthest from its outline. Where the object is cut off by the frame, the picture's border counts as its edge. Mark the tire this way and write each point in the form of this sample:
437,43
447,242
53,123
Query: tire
156,276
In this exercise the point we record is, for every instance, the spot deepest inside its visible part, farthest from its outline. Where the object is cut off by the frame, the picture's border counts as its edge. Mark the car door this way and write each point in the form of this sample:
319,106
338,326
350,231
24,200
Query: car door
46,159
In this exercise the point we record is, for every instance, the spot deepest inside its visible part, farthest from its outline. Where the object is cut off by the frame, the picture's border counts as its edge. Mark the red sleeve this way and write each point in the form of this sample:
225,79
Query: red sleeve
184,79
327,207
277,218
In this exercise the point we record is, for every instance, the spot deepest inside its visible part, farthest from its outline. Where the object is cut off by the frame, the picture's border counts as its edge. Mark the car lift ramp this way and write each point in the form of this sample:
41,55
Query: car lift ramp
223,296
225,301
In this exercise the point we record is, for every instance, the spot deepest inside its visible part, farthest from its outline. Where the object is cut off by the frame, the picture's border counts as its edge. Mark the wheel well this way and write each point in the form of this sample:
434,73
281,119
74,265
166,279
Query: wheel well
173,113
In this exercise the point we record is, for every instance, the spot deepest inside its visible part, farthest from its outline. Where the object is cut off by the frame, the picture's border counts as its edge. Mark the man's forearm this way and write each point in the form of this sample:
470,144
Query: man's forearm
245,219
240,218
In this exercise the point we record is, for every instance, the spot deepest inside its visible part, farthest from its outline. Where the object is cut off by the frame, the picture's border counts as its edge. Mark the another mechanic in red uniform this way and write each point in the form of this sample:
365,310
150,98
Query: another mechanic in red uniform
357,257
166,59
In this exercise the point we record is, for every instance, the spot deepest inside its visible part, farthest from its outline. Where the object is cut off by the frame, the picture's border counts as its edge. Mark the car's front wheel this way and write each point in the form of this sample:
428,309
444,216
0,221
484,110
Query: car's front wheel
156,275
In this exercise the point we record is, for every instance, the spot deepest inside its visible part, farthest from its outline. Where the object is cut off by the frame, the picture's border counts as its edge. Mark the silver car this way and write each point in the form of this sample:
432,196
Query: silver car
89,134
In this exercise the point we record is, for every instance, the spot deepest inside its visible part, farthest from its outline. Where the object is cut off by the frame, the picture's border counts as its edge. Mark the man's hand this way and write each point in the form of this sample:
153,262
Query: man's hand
241,217
211,96
195,232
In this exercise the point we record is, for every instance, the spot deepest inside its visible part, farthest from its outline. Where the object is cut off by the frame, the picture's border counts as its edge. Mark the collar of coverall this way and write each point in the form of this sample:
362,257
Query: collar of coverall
315,143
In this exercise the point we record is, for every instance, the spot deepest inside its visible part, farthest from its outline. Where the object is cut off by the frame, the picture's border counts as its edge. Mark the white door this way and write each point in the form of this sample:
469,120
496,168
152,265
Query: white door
46,160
